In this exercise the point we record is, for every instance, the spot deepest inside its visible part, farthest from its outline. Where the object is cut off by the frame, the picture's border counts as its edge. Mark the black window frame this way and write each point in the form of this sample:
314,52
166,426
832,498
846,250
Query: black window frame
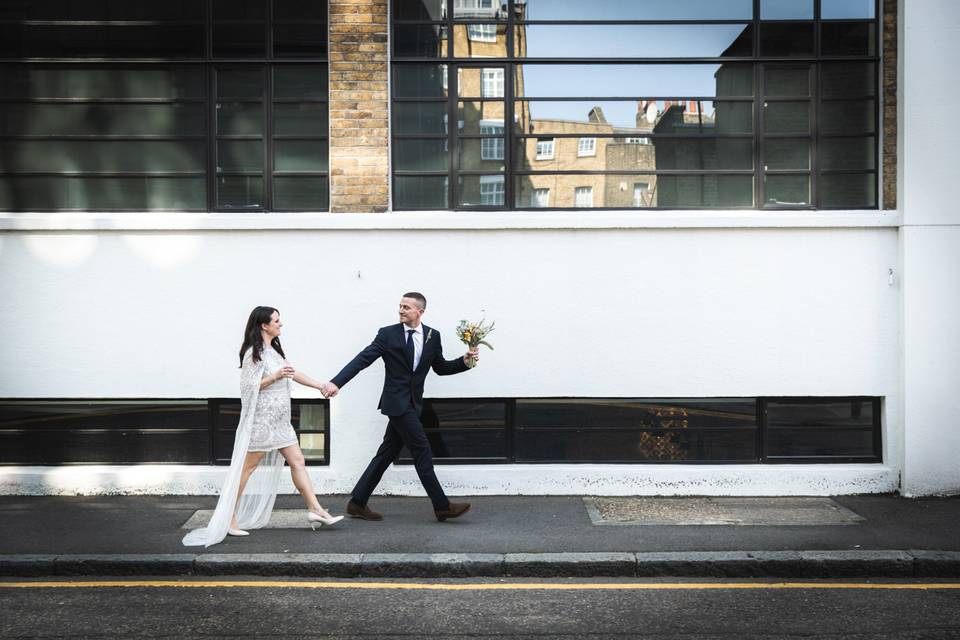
815,174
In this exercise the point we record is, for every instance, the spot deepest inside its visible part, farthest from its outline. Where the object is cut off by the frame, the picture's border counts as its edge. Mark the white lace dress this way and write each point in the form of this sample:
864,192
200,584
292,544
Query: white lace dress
271,427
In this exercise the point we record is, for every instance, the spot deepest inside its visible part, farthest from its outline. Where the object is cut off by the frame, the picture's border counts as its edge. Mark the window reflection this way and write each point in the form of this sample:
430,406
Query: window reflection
624,10
638,41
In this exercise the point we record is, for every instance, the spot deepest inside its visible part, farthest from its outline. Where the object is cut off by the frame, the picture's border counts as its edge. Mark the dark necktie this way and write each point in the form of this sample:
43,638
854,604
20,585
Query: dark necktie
410,333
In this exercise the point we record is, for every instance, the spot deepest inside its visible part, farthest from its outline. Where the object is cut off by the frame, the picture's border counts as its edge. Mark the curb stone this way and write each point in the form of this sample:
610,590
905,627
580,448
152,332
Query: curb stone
312,565
578,565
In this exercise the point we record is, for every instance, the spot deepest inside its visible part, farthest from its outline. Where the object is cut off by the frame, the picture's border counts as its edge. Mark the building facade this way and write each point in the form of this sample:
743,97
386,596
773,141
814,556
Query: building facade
717,239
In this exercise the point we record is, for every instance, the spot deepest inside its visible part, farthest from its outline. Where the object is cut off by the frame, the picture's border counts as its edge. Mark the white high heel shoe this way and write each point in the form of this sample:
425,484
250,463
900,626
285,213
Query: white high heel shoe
317,520
237,532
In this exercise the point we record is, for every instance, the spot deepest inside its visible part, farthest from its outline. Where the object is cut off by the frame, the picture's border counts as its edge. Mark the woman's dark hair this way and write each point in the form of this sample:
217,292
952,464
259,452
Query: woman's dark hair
251,335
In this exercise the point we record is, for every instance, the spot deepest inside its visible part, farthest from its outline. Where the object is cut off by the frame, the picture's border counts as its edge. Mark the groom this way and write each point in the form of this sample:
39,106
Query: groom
408,350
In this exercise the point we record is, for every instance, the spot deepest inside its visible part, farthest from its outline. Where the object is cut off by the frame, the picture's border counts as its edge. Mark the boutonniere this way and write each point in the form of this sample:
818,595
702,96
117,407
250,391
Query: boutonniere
429,335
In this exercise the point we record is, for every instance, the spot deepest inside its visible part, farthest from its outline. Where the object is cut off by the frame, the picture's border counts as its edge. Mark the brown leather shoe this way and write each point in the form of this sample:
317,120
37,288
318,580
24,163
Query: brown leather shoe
356,511
455,510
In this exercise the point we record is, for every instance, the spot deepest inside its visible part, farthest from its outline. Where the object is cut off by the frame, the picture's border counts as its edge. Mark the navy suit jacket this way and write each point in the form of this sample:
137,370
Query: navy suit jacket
401,385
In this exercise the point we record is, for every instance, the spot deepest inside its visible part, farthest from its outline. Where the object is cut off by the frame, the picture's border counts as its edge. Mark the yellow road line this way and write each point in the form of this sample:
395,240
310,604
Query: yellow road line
479,586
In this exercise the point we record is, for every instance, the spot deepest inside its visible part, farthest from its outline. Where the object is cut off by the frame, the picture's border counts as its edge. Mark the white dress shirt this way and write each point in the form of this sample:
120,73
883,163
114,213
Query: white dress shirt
417,337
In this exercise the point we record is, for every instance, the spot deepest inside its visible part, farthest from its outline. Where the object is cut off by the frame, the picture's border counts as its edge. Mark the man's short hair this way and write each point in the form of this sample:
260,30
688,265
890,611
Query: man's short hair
419,297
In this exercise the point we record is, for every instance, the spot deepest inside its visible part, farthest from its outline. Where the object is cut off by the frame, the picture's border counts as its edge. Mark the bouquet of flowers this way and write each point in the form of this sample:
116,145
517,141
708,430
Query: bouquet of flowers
473,334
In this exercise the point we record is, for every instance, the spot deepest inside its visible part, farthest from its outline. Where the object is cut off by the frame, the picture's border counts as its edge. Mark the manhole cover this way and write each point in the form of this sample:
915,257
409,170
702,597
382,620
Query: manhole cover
719,511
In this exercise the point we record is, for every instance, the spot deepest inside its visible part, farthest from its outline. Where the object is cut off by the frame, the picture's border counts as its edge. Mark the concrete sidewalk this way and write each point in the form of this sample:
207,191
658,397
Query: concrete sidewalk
849,536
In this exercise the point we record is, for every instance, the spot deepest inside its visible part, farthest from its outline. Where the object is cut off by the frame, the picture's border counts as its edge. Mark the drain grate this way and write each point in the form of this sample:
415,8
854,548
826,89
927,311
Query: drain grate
719,511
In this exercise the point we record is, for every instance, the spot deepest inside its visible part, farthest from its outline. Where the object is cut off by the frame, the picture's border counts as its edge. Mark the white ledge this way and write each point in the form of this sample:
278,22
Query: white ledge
443,220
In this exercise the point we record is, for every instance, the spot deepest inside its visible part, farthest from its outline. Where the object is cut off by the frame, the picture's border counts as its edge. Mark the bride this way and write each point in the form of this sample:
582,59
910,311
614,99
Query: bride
264,439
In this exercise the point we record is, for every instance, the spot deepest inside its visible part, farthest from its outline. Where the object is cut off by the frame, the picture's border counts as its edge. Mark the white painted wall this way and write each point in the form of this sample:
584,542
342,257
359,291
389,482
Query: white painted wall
930,237
654,312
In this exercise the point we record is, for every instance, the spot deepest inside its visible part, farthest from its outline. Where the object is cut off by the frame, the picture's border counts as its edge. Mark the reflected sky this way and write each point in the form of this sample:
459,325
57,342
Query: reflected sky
634,10
636,41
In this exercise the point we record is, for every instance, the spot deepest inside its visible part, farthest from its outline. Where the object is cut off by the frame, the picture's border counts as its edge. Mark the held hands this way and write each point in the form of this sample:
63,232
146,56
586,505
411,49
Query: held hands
328,389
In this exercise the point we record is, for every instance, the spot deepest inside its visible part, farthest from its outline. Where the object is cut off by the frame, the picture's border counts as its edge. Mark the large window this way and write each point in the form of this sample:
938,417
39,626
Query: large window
50,432
654,430
156,105
766,104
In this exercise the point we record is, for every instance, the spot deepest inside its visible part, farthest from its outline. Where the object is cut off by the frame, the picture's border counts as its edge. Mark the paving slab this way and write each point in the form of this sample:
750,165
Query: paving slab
658,511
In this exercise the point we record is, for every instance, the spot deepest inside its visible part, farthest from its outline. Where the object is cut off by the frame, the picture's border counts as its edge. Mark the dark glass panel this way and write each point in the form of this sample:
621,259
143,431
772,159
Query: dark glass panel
653,413
25,193
308,81
306,119
240,192
786,9
786,82
705,191
419,117
813,442
848,116
848,79
103,11
420,192
101,41
239,10
848,190
464,413
787,190
787,117
848,153
597,445
239,155
103,155
638,41
300,155
102,119
849,9
169,82
786,39
683,154
239,40
481,191
848,39
300,40
115,415
299,10
420,155
621,10
419,9
239,118
783,153
419,80
420,40
247,82
462,443
307,193
97,447
599,80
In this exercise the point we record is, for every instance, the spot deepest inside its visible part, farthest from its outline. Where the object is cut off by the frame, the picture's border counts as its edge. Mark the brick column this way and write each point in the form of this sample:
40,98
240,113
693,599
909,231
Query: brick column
359,101
890,52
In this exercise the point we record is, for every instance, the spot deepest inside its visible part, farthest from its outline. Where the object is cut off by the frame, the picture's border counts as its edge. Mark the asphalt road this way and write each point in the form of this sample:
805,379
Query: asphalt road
249,608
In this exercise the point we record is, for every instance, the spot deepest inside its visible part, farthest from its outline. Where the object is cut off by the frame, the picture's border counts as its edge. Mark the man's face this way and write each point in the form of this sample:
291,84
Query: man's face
410,312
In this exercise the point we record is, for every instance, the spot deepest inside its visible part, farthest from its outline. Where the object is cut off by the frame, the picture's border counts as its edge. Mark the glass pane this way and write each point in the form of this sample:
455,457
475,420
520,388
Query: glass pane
848,39
786,82
239,155
239,118
419,9
299,10
419,117
487,82
855,116
420,192
619,191
787,117
103,155
638,41
306,119
462,443
562,80
103,11
308,193
704,191
169,82
420,155
621,10
96,119
101,41
848,79
634,117
820,428
464,413
848,153
307,40
786,154
788,443
786,9
786,39
848,190
300,81
839,9
239,40
240,192
240,83
420,80
485,40
680,154
480,117
312,445
102,194
482,154
300,155
633,446
239,10
481,191
787,190
490,9
420,40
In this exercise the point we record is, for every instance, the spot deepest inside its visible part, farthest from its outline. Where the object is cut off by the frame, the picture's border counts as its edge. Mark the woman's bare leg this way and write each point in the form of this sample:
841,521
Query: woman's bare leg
249,466
301,479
